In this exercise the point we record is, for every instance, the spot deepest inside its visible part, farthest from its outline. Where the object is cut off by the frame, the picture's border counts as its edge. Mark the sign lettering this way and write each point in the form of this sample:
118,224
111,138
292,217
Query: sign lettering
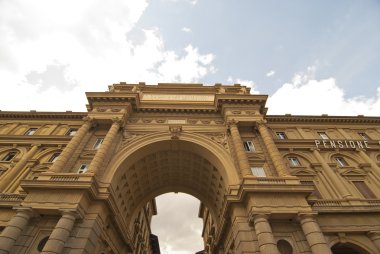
341,143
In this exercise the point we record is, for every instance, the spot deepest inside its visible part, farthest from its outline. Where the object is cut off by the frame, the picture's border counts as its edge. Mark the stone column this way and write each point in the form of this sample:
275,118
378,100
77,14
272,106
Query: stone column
343,192
313,234
272,150
13,172
104,148
60,234
241,155
69,150
267,244
375,238
13,230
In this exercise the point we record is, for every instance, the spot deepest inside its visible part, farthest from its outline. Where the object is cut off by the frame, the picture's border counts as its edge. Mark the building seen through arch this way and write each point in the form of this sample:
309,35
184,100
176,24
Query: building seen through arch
86,182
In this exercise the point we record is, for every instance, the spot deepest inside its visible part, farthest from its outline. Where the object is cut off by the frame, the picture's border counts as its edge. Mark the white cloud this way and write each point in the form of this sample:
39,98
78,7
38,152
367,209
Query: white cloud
192,2
186,29
244,82
90,49
270,73
307,96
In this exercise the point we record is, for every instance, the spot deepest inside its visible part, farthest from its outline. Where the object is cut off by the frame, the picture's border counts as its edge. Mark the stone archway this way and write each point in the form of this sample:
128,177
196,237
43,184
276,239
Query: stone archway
156,164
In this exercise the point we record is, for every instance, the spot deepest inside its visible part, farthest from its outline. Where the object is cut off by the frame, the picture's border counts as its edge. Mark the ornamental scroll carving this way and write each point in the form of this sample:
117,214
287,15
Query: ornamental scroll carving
128,137
219,138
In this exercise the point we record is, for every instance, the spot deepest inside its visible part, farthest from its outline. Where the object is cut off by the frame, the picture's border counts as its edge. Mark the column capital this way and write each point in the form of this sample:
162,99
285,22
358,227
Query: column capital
70,213
117,120
27,211
88,119
256,216
36,144
306,215
232,122
261,122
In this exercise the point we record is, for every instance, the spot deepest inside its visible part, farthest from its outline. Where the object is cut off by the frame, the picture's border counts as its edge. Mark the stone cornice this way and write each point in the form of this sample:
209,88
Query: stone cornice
207,99
34,115
322,119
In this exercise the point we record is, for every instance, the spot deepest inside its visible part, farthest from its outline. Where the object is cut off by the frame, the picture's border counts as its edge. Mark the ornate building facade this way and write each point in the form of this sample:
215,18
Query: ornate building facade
86,182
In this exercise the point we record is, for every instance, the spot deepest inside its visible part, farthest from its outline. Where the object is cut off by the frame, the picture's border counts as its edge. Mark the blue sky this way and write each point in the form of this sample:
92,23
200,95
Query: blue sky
251,39
54,51
321,54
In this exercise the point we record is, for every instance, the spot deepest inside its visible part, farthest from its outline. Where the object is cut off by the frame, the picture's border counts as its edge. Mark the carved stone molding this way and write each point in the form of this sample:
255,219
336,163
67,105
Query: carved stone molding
101,109
133,120
250,112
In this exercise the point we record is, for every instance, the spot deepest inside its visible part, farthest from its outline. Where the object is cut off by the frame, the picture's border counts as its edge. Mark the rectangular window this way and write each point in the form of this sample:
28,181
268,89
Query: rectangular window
258,171
294,162
9,156
364,189
281,135
71,132
54,157
323,135
363,135
83,168
30,132
341,161
248,146
98,143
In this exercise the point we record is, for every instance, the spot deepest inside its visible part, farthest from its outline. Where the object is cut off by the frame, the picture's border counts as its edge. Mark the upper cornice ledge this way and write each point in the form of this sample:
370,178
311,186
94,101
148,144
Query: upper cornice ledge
322,119
42,115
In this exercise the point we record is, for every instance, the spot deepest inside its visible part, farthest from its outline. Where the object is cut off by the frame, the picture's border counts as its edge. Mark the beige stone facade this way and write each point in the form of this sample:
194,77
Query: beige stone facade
86,182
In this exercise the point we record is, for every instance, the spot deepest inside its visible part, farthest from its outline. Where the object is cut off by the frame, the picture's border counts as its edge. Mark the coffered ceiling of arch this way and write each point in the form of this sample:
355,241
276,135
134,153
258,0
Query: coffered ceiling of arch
169,171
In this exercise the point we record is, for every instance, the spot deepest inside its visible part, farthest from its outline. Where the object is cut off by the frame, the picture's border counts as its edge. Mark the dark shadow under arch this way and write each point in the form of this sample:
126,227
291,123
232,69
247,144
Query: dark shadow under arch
348,248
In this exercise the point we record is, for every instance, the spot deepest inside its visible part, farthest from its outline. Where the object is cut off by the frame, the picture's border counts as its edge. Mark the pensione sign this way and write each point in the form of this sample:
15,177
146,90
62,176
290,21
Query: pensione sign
341,143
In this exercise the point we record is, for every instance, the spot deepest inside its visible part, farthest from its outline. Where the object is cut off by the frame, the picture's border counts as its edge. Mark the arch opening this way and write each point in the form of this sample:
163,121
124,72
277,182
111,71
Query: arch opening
177,224
169,166
347,248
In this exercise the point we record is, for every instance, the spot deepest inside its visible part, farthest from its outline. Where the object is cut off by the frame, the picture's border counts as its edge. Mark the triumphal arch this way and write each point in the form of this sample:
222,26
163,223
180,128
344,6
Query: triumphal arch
86,182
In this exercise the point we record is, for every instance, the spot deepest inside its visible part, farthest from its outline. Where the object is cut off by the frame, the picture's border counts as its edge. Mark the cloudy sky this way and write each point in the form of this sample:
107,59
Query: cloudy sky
322,54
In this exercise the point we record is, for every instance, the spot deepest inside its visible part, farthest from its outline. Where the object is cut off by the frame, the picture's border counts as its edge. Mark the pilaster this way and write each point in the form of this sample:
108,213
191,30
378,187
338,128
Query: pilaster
104,148
69,150
242,158
375,238
313,234
263,230
60,234
16,170
272,149
344,193
14,228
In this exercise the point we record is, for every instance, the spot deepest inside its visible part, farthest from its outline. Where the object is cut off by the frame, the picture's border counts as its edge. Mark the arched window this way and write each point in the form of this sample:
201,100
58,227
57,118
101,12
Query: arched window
9,156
